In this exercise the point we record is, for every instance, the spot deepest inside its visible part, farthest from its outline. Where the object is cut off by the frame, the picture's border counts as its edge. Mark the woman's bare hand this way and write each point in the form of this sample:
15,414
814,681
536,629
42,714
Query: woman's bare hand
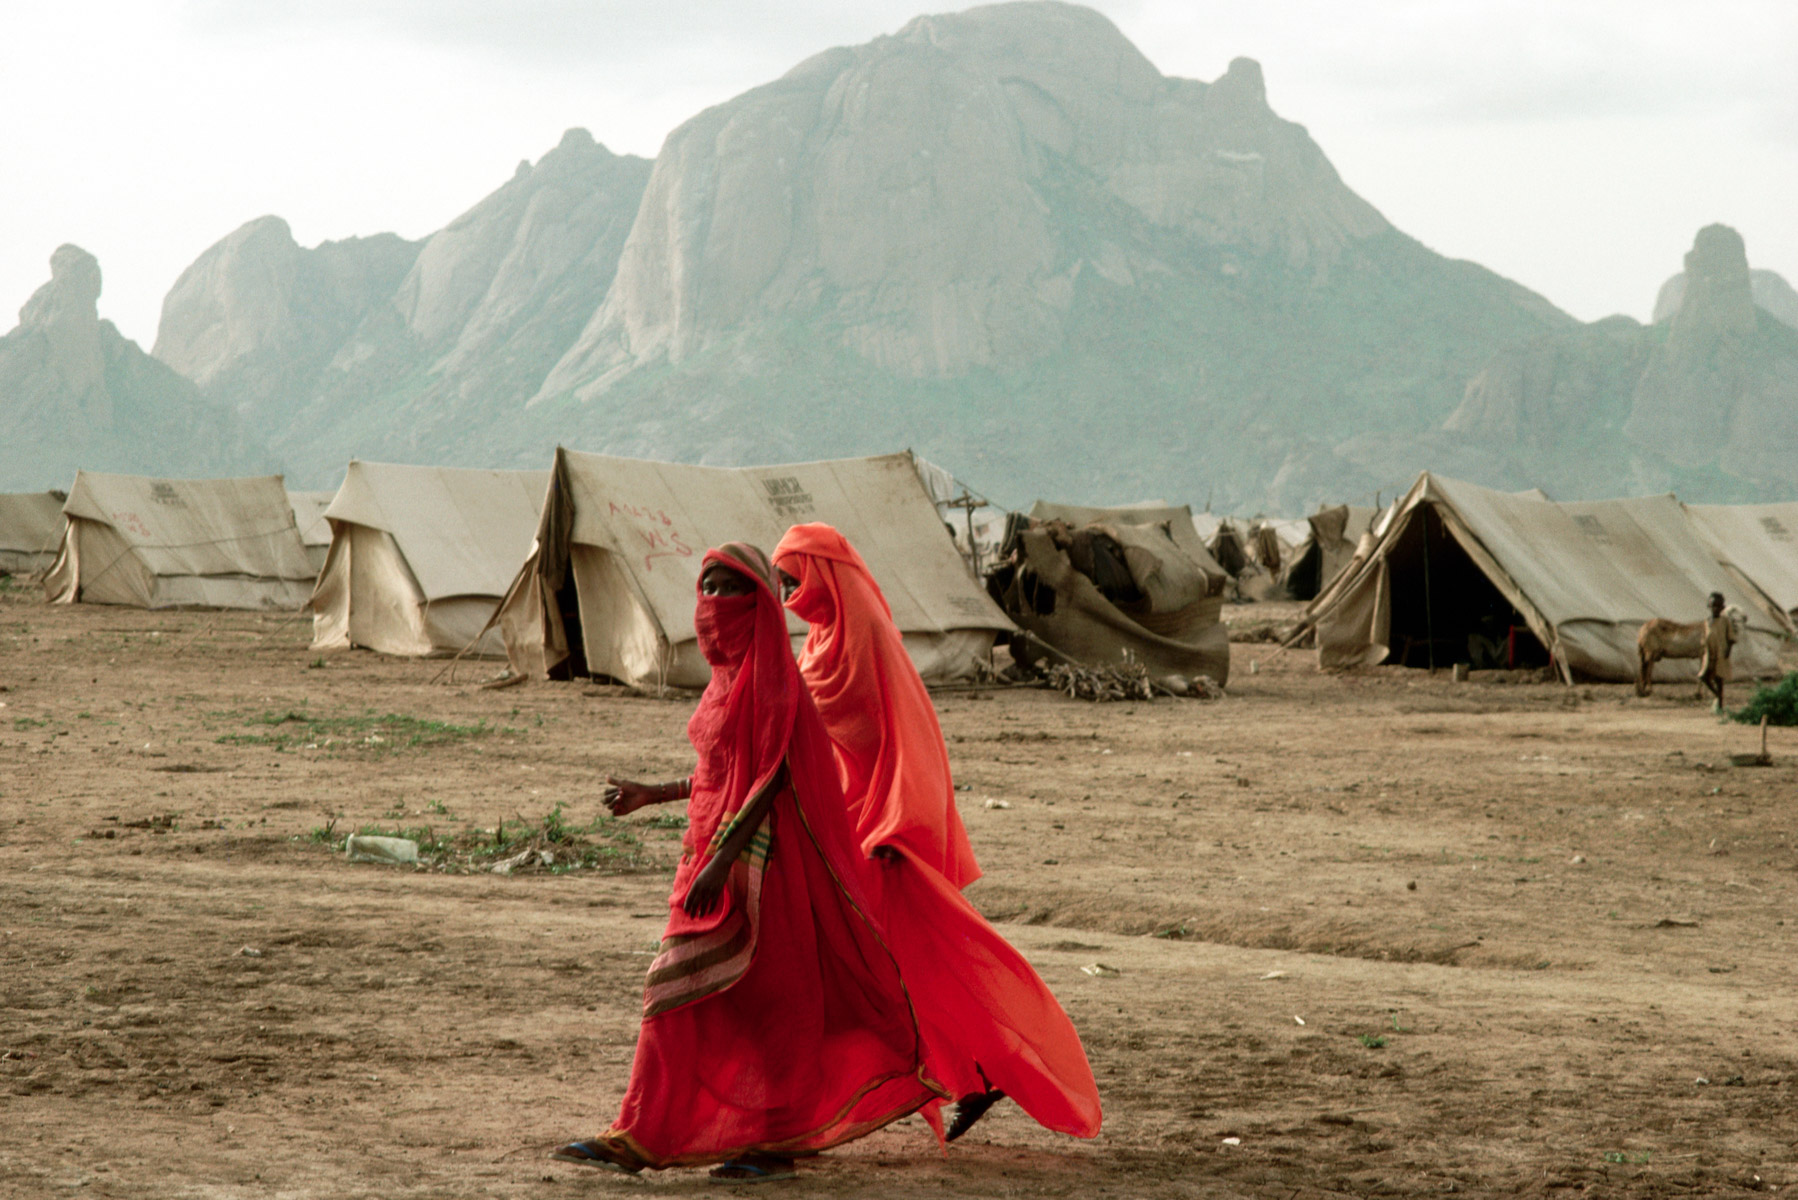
707,888
625,796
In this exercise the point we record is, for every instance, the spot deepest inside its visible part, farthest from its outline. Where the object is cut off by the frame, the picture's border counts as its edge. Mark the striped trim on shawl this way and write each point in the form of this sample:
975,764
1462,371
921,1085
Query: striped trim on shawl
693,966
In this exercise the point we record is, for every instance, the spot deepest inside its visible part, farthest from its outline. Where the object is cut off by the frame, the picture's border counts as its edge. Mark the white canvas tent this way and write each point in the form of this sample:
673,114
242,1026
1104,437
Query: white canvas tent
309,517
420,557
30,530
1456,567
610,586
1759,542
177,543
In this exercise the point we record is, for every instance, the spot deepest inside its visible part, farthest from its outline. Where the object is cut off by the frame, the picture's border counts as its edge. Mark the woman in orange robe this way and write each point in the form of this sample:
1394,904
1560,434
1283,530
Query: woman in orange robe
775,1023
991,1026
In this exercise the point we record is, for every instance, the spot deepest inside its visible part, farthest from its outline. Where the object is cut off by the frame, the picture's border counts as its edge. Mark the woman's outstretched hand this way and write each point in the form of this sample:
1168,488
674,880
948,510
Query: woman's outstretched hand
707,887
625,796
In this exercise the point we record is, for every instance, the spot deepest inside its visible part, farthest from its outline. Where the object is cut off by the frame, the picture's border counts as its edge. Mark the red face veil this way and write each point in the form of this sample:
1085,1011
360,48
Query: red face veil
744,721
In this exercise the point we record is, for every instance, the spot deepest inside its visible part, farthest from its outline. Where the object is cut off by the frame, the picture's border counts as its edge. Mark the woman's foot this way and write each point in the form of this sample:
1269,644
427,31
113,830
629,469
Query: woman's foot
594,1153
755,1168
969,1109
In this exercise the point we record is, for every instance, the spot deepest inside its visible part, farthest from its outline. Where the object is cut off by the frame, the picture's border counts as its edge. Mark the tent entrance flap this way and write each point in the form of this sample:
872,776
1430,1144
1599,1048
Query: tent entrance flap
612,631
1444,608
566,600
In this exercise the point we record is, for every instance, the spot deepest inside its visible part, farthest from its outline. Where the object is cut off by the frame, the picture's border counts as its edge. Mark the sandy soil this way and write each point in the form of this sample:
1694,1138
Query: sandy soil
1373,935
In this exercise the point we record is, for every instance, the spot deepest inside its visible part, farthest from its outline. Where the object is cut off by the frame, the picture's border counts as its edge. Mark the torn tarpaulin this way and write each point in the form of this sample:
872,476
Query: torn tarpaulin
1133,583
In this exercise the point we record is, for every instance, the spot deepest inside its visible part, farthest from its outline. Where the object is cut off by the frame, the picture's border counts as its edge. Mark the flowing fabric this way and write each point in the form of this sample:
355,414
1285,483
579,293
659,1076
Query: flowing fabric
986,1016
776,1023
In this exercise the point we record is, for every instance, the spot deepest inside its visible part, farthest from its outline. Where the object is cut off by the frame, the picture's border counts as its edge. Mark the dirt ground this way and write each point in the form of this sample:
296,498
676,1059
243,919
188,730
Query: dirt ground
1381,934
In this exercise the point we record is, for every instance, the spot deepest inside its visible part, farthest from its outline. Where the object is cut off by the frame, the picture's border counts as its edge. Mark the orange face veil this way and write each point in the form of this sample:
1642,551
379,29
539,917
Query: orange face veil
891,757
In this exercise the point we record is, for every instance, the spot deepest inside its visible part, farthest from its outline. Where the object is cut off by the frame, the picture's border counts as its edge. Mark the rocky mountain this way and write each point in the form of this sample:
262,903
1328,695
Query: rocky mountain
1004,238
1769,290
1721,391
382,348
1702,402
74,392
256,319
1000,237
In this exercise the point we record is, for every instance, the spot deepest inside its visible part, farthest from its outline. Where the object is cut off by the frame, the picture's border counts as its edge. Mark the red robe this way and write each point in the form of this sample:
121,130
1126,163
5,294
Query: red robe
777,1023
986,1016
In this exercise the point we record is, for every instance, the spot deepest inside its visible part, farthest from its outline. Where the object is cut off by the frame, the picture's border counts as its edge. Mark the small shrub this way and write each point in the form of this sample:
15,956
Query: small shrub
1779,704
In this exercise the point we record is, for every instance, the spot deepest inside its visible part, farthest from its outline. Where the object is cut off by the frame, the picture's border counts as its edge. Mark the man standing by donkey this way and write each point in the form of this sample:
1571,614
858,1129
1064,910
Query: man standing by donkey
1713,662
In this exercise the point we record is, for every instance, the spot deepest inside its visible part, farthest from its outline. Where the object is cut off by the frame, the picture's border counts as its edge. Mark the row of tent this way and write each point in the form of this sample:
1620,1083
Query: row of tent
589,566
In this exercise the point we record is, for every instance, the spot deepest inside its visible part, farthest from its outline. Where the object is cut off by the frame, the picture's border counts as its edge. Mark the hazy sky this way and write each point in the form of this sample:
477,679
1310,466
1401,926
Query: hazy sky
1573,146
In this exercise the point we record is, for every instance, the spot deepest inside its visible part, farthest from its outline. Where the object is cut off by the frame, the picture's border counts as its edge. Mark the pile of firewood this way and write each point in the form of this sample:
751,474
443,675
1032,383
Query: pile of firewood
1099,684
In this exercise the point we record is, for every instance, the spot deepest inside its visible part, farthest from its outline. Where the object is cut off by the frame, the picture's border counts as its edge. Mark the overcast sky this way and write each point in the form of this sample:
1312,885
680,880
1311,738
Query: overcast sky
1573,146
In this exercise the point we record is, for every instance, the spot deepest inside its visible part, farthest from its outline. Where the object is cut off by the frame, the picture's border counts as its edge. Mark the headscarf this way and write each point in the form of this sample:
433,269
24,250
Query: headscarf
891,757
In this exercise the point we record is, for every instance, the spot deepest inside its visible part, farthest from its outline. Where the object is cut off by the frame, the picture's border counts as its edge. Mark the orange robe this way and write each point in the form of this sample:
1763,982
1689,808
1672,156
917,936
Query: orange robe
778,1022
986,1016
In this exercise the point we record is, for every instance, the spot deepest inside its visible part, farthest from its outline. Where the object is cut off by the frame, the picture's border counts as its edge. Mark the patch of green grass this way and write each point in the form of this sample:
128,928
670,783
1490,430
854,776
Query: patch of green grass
550,845
369,733
21,724
1373,1041
1632,1157
667,821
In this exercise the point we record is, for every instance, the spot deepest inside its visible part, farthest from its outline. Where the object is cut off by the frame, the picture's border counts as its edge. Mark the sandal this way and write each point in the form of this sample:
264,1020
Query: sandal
969,1109
760,1168
593,1154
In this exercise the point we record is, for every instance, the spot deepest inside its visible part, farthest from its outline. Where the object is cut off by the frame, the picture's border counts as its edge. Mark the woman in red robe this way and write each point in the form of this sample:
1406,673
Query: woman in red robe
991,1026
774,1020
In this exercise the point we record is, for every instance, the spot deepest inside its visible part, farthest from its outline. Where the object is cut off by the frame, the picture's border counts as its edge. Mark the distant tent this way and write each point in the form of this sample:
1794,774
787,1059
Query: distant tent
610,588
1133,580
177,543
1757,541
30,529
1229,545
420,557
1334,535
1461,573
309,517
1289,534
979,526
